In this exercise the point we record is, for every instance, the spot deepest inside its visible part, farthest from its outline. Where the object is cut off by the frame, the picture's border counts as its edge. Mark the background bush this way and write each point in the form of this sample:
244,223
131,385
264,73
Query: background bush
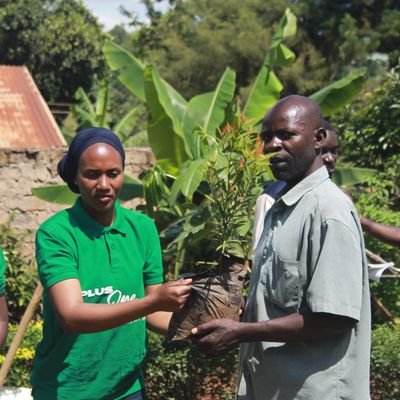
21,274
385,363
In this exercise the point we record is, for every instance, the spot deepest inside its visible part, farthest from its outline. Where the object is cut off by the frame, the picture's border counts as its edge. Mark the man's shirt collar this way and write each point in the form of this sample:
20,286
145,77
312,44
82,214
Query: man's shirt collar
304,186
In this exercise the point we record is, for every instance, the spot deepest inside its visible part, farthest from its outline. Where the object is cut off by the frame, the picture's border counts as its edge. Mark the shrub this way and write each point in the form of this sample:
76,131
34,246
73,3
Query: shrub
385,363
21,367
177,371
20,273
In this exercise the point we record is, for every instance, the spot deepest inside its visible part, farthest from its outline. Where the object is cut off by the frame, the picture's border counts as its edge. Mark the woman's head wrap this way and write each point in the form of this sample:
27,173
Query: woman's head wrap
68,166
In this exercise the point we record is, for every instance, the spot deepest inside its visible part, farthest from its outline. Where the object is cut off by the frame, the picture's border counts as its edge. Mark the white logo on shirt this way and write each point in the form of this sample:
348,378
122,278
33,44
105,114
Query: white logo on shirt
97,291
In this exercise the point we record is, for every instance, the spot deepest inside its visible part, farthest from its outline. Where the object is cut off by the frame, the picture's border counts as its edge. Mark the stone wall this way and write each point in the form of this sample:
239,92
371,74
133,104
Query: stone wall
22,170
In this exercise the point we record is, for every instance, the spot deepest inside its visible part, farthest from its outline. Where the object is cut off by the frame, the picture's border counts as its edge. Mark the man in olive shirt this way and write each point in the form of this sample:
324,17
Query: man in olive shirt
305,333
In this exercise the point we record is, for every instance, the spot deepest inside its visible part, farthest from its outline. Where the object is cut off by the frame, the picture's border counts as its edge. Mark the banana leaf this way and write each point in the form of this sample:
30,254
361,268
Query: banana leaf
188,180
132,69
346,176
208,111
264,94
57,194
164,131
267,88
61,194
339,93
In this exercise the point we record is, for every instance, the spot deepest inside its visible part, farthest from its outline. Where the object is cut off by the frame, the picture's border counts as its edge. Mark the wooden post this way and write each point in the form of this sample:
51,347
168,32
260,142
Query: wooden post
19,335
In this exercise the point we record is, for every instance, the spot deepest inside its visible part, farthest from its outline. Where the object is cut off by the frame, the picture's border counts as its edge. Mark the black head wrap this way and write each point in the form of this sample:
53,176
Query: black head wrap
68,166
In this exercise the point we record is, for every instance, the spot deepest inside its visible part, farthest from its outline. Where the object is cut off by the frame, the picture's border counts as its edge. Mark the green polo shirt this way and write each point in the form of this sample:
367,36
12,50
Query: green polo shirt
113,265
310,257
2,273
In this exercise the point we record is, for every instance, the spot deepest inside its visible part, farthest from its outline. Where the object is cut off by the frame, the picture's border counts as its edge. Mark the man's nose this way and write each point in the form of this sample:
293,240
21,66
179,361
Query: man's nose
329,158
272,145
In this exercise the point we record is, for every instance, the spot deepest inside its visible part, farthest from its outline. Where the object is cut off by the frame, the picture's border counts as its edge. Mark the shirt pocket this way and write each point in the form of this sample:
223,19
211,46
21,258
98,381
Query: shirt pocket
281,283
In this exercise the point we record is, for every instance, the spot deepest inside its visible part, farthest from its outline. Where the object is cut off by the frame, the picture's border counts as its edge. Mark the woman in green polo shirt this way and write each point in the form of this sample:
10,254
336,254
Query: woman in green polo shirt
3,301
100,265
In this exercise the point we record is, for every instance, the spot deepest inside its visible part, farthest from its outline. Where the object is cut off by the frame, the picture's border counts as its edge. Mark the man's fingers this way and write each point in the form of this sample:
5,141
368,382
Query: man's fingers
203,328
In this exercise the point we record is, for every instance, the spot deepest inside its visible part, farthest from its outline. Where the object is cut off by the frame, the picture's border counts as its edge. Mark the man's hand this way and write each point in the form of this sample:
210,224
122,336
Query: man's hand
216,337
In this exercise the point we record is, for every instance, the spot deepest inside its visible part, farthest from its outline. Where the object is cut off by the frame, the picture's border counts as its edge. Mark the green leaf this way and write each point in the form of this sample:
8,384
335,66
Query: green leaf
189,180
132,69
165,133
207,112
336,95
126,125
61,194
102,103
131,189
287,25
222,97
284,56
139,139
278,53
346,176
264,94
58,194
193,118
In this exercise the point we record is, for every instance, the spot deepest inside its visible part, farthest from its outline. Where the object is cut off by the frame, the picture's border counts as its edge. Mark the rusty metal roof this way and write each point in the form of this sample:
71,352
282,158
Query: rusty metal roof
25,118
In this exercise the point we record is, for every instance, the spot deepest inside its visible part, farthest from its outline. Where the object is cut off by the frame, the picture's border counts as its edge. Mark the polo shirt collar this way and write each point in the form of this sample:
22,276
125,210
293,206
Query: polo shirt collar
91,227
305,185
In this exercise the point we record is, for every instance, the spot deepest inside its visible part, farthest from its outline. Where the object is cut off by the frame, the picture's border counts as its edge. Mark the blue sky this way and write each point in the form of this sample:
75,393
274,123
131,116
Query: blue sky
107,11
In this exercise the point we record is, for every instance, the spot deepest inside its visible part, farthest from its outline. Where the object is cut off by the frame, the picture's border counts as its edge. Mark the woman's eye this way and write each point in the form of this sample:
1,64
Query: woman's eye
114,174
91,175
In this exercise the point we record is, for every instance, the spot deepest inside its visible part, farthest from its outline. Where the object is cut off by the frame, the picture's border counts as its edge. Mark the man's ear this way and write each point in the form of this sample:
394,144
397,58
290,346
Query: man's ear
319,136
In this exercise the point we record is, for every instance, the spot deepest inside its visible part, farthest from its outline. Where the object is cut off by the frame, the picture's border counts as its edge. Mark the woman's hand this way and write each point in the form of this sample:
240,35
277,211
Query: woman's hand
171,296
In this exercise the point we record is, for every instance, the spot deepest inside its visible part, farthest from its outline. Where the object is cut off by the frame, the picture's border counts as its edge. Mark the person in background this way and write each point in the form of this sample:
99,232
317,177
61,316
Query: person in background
330,149
385,233
101,269
305,333
3,301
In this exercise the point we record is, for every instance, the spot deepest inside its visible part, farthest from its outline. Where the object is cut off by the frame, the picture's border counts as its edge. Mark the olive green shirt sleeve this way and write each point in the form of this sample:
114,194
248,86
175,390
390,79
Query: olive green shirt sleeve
337,281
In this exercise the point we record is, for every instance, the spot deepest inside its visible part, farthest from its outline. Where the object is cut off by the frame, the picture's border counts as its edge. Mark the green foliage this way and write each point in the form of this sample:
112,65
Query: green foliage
368,125
385,363
87,114
61,194
369,138
21,368
59,41
176,371
20,272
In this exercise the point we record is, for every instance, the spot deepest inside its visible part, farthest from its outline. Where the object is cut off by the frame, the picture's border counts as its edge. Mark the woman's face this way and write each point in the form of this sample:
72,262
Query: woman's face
100,178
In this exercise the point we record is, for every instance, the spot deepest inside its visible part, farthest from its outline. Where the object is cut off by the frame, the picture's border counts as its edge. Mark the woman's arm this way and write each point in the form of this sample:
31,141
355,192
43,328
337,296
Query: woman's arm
158,321
3,319
79,317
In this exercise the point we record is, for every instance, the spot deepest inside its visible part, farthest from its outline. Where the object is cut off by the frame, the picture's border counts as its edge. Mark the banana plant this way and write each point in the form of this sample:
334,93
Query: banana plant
88,114
174,120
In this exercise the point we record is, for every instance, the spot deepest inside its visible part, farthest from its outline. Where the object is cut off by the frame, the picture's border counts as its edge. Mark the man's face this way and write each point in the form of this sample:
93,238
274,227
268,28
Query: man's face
288,131
330,151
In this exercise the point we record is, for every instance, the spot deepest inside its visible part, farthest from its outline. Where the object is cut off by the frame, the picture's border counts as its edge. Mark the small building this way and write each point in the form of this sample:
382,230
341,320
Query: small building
25,118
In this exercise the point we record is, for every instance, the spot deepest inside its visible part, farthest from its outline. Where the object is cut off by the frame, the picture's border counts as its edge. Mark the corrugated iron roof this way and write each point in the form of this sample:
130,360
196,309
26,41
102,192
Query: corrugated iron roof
25,118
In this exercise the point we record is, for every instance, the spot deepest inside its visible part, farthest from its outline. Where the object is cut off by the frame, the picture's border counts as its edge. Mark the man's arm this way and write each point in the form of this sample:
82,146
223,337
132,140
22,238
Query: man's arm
385,233
219,336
